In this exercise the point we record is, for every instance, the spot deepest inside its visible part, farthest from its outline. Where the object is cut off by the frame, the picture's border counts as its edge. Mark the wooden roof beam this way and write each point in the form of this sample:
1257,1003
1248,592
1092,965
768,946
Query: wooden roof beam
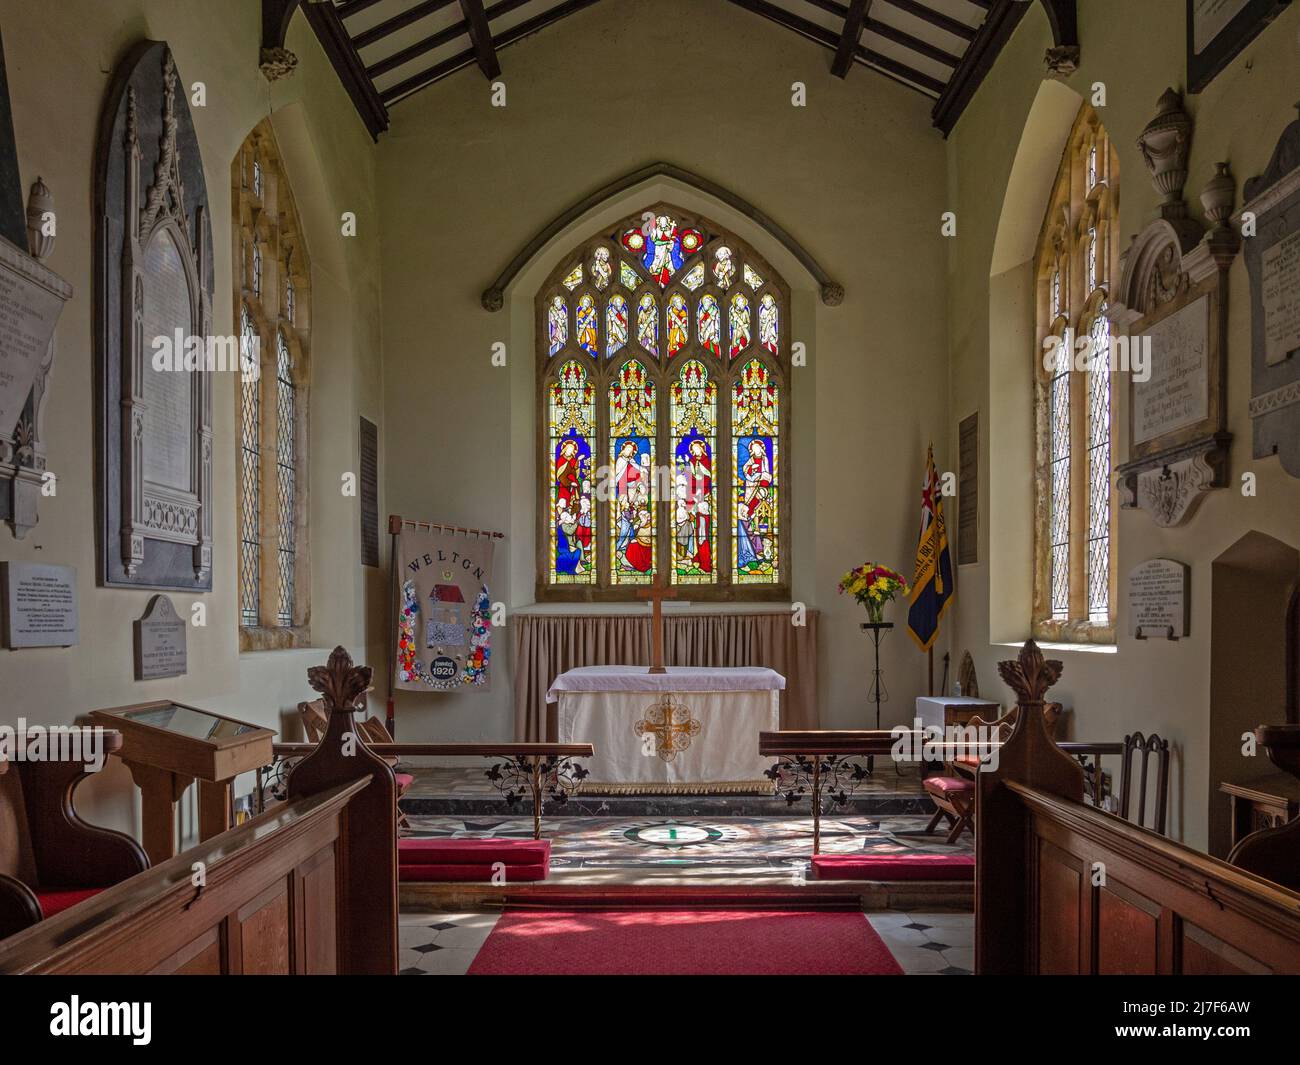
1001,23
328,27
480,37
858,11
398,22
934,18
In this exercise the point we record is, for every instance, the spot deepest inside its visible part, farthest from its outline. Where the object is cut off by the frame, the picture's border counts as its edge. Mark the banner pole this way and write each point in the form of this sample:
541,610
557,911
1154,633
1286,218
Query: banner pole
930,658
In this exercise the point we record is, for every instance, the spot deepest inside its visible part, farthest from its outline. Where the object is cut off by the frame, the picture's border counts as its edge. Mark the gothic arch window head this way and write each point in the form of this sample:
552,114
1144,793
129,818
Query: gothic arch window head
664,400
273,308
1074,515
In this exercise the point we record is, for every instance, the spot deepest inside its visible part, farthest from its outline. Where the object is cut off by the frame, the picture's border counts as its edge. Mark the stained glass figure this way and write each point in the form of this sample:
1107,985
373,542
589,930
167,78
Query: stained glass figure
739,324
709,320
768,323
631,460
752,279
754,423
557,322
615,325
572,424
627,276
587,328
647,324
679,323
694,277
601,270
724,269
694,417
662,246
574,278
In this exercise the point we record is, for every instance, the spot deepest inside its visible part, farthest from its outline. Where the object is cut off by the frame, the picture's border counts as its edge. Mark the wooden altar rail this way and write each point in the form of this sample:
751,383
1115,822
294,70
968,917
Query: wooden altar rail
530,759
271,903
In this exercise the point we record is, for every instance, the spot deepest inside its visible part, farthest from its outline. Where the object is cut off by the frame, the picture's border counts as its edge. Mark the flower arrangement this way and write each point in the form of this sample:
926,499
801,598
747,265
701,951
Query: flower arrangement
873,586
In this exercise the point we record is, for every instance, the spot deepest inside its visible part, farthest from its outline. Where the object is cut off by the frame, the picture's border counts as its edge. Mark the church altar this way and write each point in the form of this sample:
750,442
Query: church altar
689,730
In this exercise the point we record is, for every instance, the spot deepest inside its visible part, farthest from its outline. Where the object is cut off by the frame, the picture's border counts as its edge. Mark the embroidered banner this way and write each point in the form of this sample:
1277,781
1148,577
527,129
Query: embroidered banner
444,611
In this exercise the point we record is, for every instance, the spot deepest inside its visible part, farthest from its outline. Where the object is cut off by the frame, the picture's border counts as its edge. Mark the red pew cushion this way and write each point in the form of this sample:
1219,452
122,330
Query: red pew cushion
404,780
948,785
53,902
894,867
417,851
469,871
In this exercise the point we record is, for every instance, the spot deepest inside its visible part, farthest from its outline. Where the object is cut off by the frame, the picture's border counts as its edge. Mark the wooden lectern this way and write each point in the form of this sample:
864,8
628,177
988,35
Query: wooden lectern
167,746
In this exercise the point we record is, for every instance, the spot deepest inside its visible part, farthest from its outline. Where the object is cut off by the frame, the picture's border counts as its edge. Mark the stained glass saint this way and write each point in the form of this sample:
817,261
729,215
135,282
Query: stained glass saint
710,324
679,323
615,325
557,324
768,323
739,324
754,420
694,420
601,271
572,422
587,339
631,456
647,324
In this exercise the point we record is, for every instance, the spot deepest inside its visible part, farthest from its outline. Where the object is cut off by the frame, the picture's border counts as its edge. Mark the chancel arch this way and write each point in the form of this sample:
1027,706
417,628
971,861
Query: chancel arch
272,287
663,348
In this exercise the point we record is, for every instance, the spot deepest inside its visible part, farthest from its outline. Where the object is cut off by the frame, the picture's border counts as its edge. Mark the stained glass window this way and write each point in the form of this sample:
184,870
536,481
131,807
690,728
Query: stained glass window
587,332
631,459
694,414
274,314
755,407
1074,533
250,476
662,456
739,324
679,323
572,427
616,324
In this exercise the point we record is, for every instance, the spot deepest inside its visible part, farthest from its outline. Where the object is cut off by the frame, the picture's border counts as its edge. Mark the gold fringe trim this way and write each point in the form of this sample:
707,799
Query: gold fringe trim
711,787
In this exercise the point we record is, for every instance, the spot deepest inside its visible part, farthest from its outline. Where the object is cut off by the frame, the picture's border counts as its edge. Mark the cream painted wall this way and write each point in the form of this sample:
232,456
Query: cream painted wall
61,57
1136,50
856,176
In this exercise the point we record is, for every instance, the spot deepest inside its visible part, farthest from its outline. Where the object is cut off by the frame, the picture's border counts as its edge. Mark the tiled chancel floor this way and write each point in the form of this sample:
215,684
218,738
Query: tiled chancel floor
924,944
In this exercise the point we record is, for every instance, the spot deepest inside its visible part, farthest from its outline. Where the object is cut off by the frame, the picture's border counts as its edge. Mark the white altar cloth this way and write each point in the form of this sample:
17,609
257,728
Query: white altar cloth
690,730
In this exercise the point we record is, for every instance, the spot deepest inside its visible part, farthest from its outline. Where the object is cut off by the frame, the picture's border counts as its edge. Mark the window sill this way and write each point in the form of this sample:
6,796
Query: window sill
1089,648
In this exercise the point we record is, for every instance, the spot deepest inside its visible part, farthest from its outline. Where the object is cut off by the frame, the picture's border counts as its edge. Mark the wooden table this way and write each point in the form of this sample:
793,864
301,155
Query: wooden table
1266,802
168,746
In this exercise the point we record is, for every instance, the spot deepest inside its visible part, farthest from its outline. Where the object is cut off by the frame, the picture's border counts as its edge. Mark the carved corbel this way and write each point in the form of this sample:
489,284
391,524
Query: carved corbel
1171,487
276,61
1062,59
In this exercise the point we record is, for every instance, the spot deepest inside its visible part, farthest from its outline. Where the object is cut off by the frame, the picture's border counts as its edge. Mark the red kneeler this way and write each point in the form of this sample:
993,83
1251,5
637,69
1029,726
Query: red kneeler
894,867
433,860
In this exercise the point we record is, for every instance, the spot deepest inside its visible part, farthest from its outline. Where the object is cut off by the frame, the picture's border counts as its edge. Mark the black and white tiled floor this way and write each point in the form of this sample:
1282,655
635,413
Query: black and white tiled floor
924,944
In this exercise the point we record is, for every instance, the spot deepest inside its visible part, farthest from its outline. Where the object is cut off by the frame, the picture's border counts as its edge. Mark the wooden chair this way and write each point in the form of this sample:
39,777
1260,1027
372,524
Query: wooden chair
953,791
50,859
1145,747
315,722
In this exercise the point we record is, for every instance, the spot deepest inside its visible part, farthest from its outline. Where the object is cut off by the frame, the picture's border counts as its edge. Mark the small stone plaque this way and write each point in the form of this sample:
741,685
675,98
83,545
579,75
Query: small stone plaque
159,641
1158,599
40,605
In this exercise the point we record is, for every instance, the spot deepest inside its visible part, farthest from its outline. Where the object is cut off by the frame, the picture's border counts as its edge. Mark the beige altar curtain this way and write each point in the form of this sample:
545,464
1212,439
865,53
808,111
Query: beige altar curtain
546,645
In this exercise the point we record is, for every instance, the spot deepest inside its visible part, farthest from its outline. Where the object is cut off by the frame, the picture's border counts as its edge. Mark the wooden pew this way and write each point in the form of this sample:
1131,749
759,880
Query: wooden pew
307,887
1061,887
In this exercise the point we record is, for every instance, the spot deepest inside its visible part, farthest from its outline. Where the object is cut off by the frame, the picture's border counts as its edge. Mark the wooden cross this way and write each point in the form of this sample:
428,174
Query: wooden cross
657,593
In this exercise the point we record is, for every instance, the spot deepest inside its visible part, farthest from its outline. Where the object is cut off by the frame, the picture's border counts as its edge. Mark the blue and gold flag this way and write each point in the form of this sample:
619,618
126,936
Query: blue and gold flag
932,586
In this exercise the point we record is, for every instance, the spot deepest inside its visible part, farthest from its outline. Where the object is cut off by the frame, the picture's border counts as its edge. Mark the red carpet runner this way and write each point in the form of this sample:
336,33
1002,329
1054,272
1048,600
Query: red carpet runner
683,943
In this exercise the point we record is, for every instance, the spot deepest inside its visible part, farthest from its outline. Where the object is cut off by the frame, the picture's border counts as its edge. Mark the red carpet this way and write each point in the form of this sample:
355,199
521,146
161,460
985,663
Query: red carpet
894,867
683,943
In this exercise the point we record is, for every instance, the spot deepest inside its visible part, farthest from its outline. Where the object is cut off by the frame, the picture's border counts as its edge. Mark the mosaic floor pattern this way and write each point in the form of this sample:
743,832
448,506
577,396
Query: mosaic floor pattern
700,847
924,944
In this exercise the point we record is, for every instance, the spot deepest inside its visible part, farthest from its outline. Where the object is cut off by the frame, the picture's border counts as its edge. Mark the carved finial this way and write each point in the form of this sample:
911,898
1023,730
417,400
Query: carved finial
339,681
1030,675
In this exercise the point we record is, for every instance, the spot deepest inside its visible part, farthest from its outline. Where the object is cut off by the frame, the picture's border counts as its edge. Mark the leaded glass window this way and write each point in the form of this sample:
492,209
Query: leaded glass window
1074,542
274,314
663,354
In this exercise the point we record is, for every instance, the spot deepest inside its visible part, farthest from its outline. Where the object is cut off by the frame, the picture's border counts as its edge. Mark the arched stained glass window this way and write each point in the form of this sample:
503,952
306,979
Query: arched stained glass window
1077,259
273,308
654,393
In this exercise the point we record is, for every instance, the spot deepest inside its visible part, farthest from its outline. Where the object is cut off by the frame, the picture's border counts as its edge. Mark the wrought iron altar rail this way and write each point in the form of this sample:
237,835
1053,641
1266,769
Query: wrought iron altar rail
818,763
538,770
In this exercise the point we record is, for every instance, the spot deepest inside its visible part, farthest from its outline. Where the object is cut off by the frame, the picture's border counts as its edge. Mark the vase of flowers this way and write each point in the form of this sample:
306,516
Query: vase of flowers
873,586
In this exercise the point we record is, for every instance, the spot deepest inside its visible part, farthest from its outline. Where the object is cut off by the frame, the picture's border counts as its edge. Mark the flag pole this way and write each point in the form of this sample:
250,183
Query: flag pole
930,658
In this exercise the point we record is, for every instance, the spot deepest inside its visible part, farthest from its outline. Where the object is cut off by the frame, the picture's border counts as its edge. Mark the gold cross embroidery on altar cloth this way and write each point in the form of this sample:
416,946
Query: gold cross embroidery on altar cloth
672,726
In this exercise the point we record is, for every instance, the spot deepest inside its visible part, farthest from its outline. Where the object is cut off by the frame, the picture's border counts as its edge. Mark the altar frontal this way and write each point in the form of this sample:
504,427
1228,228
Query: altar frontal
690,730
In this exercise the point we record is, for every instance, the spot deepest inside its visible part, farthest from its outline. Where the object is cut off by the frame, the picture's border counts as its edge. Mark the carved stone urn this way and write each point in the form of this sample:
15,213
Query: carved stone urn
1164,145
1218,196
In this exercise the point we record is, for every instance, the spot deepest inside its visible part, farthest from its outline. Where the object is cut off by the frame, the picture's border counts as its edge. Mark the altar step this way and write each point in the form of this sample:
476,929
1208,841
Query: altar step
873,804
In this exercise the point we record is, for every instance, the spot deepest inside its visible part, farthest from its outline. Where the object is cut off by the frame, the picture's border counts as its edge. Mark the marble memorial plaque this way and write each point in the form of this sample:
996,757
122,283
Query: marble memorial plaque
1158,599
160,641
28,312
40,605
168,425
1177,394
1280,289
